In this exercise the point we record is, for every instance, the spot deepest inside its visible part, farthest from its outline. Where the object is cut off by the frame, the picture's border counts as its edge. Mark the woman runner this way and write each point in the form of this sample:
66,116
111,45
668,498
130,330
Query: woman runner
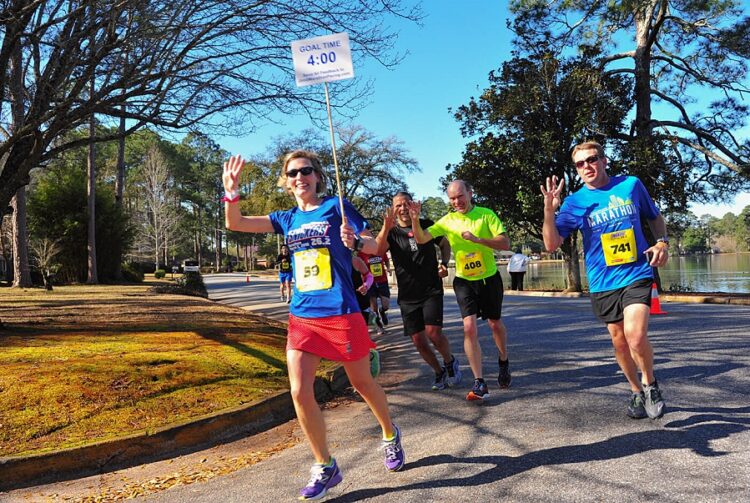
324,317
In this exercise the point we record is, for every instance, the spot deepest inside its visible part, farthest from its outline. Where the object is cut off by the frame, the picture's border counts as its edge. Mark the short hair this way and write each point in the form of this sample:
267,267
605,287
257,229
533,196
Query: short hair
322,184
587,145
403,193
467,185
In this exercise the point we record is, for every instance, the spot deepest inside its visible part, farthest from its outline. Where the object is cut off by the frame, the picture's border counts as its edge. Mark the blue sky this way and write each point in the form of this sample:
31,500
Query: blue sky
449,60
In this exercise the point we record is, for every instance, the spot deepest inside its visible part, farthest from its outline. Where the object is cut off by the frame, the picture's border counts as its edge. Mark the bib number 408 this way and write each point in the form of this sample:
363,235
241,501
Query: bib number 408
473,265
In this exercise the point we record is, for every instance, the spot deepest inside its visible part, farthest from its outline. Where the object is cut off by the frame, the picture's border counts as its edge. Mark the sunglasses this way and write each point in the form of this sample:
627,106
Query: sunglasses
589,160
305,171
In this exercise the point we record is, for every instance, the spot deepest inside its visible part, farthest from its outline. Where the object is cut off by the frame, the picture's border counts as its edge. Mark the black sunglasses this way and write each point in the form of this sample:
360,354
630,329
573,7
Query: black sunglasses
589,160
306,170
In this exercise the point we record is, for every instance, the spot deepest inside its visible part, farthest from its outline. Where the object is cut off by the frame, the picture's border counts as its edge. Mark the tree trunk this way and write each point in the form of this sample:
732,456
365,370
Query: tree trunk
21,274
20,241
93,277
572,264
218,249
119,187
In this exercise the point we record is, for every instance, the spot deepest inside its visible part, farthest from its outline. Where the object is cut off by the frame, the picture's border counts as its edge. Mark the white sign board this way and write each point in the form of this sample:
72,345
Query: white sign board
322,59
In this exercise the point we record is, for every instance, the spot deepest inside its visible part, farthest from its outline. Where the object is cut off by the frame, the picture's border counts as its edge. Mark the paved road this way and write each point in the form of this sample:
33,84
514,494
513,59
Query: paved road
559,434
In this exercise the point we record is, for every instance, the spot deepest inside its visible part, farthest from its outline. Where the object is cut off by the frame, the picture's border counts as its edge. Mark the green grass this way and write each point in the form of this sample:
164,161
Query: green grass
91,363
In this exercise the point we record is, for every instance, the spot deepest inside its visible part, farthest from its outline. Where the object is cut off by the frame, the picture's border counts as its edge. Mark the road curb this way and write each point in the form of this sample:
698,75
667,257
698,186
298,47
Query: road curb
220,427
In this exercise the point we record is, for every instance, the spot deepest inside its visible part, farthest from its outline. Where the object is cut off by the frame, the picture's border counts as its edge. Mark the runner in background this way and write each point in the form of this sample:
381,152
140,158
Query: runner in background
285,274
379,290
324,317
420,288
474,233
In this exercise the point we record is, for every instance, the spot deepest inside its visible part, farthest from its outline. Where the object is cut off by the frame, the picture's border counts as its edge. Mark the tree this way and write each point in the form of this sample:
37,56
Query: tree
681,49
434,208
525,125
372,170
172,64
161,213
45,252
678,222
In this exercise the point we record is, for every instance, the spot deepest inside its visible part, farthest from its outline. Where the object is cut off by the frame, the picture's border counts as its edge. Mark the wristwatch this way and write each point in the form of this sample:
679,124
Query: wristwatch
663,239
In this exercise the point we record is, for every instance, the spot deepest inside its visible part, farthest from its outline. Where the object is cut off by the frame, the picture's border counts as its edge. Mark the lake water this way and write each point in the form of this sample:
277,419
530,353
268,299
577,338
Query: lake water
726,272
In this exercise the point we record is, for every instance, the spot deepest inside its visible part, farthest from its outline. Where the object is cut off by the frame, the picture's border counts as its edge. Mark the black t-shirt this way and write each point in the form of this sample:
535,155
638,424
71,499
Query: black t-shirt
285,263
415,264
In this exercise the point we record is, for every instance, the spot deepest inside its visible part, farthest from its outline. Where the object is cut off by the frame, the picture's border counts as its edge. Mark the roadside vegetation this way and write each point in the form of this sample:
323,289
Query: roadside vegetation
86,363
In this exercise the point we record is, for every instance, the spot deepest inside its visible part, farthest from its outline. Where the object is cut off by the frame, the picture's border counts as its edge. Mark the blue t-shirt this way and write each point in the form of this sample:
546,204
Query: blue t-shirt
322,264
613,240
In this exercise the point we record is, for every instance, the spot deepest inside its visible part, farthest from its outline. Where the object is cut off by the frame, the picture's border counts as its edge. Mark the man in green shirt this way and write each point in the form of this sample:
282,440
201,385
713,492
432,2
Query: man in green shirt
474,233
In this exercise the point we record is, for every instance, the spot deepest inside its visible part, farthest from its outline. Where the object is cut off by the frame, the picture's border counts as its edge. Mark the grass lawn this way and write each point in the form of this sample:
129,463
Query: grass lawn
87,363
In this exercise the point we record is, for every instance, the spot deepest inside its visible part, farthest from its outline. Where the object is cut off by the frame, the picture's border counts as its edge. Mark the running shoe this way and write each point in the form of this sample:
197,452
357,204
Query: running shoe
289,300
374,363
379,322
282,298
454,373
636,410
440,379
394,454
503,378
383,317
654,403
479,392
322,478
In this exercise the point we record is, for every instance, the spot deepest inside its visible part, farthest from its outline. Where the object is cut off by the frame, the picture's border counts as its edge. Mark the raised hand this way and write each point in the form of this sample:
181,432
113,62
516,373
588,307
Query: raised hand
415,209
552,198
232,170
389,218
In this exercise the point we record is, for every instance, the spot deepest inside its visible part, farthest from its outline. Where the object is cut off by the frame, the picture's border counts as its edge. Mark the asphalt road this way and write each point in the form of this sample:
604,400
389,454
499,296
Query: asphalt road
560,433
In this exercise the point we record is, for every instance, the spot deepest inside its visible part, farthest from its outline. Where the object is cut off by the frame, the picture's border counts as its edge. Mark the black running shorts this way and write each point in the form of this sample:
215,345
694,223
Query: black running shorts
418,314
483,297
609,306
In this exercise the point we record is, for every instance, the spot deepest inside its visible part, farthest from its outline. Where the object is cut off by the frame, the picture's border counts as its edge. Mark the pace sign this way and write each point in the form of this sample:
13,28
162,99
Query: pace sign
322,59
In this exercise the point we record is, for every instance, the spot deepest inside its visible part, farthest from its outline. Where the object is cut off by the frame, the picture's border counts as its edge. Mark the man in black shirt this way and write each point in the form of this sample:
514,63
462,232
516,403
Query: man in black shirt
420,288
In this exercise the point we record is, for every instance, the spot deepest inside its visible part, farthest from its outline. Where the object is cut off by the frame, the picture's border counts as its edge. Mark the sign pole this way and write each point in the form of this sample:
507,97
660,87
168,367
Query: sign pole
335,160
321,60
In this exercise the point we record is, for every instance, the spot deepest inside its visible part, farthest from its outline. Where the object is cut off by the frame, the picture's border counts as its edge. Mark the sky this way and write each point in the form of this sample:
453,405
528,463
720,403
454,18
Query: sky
449,59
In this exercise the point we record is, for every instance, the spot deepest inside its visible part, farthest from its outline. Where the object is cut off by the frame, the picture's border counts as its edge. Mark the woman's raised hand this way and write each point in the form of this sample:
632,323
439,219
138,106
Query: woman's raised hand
232,170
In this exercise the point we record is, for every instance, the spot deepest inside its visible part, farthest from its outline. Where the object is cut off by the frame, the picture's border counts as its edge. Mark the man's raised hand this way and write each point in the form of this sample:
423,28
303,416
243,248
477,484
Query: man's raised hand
551,193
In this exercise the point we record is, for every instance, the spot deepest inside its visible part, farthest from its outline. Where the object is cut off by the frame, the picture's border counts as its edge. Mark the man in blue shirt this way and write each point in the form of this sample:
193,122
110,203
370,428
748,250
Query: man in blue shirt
619,261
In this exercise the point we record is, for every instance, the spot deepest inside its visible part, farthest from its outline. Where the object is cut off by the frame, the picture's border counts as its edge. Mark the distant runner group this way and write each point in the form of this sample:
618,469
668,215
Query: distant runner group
335,261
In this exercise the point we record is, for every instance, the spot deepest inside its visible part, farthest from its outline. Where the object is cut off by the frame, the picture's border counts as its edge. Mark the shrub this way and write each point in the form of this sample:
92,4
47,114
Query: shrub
191,283
160,273
132,273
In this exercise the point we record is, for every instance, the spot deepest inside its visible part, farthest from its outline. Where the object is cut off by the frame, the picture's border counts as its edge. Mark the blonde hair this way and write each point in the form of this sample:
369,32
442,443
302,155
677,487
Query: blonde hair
322,185
587,145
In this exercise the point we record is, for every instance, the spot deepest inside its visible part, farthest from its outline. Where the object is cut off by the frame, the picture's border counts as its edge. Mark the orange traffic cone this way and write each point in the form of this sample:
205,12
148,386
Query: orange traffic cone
655,304
247,278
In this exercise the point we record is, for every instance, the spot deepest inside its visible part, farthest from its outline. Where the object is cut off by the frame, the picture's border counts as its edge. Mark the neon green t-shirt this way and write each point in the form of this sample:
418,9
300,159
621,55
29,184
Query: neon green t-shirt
473,261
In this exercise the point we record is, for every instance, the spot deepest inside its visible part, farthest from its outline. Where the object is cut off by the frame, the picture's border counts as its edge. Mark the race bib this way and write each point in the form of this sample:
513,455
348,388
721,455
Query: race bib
376,269
619,247
313,271
470,264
